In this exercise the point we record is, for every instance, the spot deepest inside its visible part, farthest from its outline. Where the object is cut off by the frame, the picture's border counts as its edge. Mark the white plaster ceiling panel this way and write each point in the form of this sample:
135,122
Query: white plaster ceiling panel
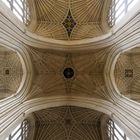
67,123
69,19
86,77
127,74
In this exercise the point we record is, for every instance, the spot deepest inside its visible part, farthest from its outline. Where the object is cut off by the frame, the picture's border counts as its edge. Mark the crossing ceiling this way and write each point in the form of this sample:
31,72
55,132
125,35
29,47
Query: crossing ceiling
68,73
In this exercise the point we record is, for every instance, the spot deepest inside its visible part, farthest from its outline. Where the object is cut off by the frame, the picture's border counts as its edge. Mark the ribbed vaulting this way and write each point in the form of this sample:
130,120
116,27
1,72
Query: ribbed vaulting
51,14
67,123
70,80
10,72
49,79
127,74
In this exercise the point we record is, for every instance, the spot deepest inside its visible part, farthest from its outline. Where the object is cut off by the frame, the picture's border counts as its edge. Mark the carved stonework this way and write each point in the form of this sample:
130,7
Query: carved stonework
68,73
10,72
69,23
127,74
67,123
59,73
69,19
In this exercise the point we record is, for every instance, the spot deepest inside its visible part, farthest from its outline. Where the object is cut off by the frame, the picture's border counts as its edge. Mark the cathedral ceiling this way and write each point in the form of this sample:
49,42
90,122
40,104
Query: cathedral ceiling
10,72
67,123
67,73
69,19
127,74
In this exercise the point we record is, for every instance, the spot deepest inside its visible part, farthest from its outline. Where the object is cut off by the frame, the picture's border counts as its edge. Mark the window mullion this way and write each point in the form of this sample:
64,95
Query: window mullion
119,132
10,137
119,8
16,132
115,132
24,9
20,133
124,137
126,6
12,1
20,9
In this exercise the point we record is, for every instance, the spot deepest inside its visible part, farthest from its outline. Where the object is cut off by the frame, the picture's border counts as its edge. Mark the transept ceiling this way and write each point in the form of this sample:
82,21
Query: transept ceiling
10,72
127,74
70,19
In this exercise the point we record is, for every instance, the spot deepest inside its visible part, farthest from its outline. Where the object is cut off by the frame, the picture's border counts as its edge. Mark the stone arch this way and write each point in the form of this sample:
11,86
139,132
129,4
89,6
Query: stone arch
109,70
116,113
25,61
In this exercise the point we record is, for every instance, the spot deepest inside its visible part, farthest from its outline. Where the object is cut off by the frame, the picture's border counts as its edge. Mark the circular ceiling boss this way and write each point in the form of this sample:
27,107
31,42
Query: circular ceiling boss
68,73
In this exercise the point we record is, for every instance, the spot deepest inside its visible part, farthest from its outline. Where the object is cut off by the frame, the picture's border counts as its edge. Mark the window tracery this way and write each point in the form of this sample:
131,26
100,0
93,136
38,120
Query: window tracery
20,8
115,132
20,132
118,10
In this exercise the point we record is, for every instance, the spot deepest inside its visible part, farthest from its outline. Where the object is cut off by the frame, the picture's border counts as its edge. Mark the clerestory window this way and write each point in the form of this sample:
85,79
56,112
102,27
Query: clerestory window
20,8
118,10
20,132
115,132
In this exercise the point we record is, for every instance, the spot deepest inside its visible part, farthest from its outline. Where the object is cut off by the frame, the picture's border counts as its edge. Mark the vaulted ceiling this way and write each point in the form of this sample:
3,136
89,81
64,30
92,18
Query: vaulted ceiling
70,19
67,123
52,78
10,72
127,74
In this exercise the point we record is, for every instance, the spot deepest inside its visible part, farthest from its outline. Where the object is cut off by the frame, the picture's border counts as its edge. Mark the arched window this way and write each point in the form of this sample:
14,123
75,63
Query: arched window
115,132
20,8
20,132
118,10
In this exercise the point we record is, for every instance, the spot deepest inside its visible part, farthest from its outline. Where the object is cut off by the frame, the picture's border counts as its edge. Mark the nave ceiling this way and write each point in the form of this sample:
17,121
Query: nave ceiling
67,123
70,19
